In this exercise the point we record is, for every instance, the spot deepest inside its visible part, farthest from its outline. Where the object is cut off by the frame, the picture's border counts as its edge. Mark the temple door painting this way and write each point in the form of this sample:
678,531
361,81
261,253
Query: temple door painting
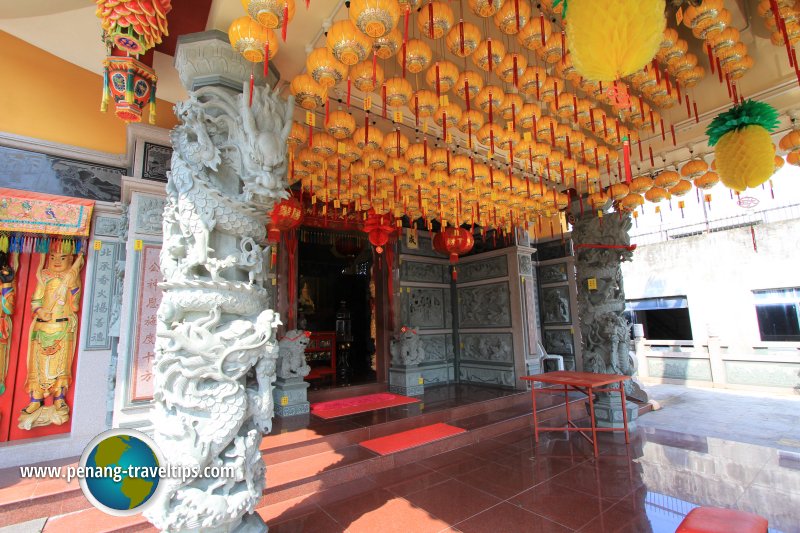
42,275
42,353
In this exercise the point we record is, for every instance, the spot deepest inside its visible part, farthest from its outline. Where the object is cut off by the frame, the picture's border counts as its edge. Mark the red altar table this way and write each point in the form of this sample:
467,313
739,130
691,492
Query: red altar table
587,383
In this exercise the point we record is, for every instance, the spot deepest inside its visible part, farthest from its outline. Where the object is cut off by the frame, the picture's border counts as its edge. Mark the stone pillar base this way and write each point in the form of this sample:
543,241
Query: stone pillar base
291,397
608,412
406,380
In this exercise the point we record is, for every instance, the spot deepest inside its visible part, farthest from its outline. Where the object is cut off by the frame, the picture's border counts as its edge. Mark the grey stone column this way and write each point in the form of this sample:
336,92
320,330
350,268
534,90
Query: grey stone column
216,349
601,245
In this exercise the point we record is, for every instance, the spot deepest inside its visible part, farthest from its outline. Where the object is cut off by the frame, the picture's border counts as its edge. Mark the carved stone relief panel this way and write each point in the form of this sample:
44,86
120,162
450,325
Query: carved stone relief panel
484,306
555,305
157,160
493,376
108,226
553,273
559,341
488,347
149,215
425,308
423,272
437,348
525,265
495,267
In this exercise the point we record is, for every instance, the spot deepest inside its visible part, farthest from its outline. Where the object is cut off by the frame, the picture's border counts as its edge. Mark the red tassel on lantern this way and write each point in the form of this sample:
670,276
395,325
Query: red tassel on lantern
285,20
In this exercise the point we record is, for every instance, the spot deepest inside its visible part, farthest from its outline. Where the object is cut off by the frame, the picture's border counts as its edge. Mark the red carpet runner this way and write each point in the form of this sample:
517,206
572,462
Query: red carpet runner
359,404
410,438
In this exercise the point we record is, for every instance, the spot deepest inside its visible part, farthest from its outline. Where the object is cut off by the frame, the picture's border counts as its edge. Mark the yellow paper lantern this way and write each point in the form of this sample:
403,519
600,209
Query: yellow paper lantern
297,135
424,103
324,145
325,68
508,16
531,34
341,124
418,56
368,139
491,94
250,39
667,179
681,188
485,8
631,201
389,44
375,18
448,75
481,55
532,81
608,44
361,75
505,70
706,181
347,43
656,195
466,45
269,13
469,79
441,15
472,119
307,92
694,168
398,92
374,159
552,51
392,141
528,114
512,107
641,184
451,111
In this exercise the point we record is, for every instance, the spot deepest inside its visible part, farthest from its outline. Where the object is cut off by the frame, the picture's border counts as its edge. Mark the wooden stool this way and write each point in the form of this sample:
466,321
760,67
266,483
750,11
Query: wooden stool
716,520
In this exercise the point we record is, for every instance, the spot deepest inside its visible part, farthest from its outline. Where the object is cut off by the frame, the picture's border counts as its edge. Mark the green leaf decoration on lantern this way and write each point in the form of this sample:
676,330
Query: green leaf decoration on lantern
748,113
564,9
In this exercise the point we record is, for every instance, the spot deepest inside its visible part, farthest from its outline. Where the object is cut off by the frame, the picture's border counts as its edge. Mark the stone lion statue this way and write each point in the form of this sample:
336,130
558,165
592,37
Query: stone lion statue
406,349
291,356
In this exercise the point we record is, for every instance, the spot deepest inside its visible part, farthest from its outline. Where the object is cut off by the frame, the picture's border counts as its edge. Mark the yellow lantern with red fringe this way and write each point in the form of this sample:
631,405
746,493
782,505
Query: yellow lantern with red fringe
418,56
375,18
443,73
485,8
324,68
271,13
631,201
298,135
251,39
388,45
463,38
132,85
307,92
468,81
435,19
347,43
341,124
512,16
511,67
361,75
398,92
489,54
424,103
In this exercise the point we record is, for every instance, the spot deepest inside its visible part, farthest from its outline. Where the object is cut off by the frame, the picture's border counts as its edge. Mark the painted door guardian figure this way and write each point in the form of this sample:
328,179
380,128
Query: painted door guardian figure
53,335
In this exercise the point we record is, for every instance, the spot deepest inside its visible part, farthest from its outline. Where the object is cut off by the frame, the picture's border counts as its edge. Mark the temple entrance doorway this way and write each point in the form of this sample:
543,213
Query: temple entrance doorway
336,303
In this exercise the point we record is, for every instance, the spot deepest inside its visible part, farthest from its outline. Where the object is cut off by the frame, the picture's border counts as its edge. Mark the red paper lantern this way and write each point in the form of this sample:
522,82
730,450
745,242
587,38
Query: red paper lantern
379,228
456,241
285,216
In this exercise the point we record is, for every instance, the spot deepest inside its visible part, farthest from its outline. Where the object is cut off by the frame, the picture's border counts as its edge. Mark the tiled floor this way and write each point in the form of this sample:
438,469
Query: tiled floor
511,484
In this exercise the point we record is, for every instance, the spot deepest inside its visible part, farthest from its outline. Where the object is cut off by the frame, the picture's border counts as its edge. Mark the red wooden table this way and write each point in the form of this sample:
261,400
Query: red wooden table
587,383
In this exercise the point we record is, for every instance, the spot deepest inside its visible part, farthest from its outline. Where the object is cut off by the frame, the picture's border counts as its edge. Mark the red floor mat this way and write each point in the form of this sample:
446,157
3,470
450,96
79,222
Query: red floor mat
359,404
410,438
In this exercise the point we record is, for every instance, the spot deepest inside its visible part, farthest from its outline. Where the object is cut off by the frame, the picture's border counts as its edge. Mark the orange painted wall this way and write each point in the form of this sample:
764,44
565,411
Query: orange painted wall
45,97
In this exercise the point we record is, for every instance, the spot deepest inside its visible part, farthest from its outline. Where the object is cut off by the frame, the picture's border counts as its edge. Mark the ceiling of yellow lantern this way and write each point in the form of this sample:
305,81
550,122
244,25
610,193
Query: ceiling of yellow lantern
582,147
517,106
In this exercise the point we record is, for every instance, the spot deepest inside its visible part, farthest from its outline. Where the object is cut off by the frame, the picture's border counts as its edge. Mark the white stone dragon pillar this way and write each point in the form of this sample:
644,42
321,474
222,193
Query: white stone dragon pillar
216,346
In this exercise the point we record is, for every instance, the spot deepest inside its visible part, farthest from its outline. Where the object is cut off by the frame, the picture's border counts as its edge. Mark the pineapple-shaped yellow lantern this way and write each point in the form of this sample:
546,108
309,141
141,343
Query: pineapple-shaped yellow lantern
745,155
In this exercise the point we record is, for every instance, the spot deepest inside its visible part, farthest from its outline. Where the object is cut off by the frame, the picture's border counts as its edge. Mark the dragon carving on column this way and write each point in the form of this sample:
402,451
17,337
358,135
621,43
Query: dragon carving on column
216,348
601,245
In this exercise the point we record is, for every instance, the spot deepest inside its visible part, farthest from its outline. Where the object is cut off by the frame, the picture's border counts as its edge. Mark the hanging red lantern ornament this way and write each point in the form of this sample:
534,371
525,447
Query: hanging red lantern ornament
285,216
134,26
379,228
456,241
